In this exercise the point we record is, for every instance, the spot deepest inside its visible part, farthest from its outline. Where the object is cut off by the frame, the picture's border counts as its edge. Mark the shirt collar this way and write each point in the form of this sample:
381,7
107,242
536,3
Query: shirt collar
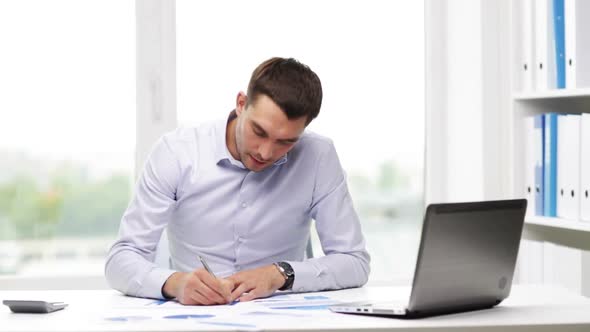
221,150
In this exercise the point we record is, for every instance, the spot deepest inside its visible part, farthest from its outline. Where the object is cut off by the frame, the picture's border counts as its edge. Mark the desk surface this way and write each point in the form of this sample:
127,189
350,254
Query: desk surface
529,308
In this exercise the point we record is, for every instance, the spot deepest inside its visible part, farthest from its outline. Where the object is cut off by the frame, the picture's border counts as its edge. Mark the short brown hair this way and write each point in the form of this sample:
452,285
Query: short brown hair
293,86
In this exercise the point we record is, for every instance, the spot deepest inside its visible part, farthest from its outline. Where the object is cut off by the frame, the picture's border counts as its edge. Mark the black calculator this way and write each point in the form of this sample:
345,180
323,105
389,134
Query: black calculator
33,307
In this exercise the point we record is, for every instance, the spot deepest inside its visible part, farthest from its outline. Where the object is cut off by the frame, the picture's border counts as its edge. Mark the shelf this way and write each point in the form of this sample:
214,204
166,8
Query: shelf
570,233
552,94
559,223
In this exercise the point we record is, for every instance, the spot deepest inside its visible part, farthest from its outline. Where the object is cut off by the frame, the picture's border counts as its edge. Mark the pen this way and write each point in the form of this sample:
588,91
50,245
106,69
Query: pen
206,266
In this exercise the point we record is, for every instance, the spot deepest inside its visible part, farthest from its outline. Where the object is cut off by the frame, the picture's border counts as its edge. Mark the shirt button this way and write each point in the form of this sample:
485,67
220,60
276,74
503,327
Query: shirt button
244,204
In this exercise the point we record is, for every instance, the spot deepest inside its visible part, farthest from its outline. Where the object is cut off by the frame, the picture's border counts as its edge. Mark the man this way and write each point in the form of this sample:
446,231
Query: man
241,193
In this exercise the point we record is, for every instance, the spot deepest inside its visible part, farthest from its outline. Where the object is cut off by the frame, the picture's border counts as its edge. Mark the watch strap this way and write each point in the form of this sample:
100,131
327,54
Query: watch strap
287,272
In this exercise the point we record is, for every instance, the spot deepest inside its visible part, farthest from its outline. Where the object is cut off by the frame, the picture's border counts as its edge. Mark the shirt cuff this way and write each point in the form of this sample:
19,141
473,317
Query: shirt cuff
306,275
151,286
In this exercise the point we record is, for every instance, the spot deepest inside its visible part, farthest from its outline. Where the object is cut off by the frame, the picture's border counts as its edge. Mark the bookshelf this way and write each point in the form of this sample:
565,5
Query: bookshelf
524,104
566,224
570,233
552,94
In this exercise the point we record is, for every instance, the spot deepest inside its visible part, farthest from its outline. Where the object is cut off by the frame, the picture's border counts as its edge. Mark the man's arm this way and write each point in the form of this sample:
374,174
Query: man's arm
129,267
346,263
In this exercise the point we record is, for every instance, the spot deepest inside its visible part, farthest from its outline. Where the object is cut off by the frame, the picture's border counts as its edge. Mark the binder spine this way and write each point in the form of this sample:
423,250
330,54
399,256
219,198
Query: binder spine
559,33
550,167
539,124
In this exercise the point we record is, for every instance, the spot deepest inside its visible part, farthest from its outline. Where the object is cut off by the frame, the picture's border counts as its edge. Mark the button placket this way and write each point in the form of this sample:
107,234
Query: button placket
243,211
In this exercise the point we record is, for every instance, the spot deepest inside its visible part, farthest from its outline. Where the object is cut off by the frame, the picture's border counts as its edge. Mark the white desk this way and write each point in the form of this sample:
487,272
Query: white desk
529,308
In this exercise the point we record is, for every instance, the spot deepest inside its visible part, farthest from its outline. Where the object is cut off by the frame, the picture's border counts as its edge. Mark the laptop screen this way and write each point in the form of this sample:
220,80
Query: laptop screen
467,254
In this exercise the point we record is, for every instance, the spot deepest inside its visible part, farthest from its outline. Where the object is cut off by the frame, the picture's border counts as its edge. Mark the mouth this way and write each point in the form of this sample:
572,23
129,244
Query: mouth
257,162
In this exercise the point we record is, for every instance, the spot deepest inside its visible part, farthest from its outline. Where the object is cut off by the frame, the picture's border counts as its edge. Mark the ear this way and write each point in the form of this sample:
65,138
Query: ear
241,101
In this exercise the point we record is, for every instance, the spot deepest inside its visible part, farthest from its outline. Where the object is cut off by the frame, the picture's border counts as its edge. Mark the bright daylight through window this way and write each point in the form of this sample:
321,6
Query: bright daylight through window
67,132
369,56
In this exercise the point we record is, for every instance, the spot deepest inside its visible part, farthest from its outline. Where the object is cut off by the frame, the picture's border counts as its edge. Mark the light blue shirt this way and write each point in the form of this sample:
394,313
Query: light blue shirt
211,205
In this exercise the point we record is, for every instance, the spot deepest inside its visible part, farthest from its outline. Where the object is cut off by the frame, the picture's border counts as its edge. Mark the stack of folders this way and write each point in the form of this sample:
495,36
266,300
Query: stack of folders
557,165
554,44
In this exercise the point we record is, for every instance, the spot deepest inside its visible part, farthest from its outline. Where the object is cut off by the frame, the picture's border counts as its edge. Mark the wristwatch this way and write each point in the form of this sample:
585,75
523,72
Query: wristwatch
288,273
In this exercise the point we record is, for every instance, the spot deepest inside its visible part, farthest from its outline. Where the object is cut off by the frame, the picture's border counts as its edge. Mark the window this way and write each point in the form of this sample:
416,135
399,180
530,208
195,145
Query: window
370,58
67,132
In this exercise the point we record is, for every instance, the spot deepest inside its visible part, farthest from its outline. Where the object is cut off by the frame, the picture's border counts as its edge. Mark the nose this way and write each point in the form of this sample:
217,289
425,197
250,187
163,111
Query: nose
266,151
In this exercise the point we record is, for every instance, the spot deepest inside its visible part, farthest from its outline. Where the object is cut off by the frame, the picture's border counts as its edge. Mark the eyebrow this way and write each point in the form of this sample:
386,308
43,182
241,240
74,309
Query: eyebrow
259,128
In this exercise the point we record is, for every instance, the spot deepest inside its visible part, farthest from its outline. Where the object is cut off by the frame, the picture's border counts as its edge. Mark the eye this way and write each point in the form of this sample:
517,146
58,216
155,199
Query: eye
258,132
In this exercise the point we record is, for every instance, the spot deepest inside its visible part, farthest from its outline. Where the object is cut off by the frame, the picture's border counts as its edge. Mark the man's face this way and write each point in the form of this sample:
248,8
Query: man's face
264,134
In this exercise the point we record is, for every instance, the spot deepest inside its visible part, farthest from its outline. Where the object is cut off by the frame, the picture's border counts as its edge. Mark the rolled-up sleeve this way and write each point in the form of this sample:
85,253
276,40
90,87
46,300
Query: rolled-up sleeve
346,261
130,264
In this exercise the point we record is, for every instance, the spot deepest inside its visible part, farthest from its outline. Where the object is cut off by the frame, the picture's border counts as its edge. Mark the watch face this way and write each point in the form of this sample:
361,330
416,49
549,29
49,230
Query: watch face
287,267
290,275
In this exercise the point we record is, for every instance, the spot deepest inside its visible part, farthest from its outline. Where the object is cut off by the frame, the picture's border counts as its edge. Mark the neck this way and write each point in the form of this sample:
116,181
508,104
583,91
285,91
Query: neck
230,138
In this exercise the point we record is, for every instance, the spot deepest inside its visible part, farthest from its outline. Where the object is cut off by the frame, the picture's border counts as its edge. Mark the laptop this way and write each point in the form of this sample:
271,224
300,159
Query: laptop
465,262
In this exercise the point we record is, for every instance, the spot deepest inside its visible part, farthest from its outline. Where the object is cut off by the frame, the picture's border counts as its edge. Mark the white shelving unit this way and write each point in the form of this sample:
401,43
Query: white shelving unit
526,104
572,225
552,94
570,233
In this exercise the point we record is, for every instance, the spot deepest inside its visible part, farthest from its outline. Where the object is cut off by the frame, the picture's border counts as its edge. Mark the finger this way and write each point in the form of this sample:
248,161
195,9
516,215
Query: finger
185,298
204,289
239,291
198,298
251,295
228,287
190,296
225,288
214,284
218,285
235,279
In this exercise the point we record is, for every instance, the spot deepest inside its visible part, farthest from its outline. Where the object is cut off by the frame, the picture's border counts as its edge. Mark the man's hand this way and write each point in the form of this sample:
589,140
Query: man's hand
259,282
198,287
